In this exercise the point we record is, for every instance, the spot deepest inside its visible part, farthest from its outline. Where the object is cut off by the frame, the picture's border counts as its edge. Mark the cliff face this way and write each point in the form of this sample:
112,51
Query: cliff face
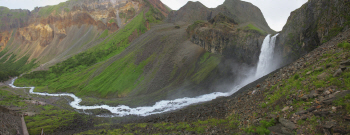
13,18
222,35
35,33
308,27
235,29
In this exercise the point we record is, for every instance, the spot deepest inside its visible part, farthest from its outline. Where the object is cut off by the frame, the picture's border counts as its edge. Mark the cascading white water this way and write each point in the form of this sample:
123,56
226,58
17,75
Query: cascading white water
119,22
169,105
264,65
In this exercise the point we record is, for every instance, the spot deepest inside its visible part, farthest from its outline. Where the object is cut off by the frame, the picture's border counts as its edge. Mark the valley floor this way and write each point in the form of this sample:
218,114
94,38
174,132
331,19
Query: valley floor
309,96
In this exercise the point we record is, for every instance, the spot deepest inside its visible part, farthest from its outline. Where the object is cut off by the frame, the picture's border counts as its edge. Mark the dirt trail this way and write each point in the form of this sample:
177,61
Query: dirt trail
24,126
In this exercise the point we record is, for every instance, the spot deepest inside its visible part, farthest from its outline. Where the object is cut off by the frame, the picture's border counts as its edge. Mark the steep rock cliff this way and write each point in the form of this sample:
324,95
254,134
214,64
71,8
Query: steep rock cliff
316,22
222,35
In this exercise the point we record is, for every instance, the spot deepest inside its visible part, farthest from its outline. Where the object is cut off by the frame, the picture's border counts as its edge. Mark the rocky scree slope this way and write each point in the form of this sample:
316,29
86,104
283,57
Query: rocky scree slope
316,22
10,122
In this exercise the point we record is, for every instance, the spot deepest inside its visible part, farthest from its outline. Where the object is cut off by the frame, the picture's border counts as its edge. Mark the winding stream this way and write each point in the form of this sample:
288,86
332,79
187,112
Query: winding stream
168,105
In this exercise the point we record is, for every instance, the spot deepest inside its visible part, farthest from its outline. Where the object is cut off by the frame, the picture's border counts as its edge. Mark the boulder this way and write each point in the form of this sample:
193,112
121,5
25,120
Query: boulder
338,73
286,123
335,96
322,76
313,94
329,124
345,63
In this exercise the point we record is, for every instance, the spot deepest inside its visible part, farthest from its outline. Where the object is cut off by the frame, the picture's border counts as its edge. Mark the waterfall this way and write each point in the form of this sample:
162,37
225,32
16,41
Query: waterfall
119,22
266,56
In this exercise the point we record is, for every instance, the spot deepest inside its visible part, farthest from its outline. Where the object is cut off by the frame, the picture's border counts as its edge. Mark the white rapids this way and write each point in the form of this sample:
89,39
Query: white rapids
164,105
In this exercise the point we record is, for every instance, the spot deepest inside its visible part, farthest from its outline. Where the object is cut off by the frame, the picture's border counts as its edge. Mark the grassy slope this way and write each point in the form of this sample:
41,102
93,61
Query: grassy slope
10,65
71,73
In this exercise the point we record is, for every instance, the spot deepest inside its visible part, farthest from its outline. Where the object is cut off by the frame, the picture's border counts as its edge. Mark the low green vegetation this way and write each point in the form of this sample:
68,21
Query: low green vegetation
152,12
9,99
262,128
333,32
52,118
208,63
344,102
112,21
103,34
198,127
254,28
344,45
46,11
11,66
193,26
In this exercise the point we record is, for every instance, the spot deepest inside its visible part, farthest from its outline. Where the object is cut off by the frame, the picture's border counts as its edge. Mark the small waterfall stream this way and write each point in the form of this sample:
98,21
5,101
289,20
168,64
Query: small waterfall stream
263,68
119,22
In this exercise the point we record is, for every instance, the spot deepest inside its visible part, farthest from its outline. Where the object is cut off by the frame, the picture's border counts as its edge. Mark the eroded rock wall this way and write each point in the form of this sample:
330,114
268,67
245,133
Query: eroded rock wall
316,22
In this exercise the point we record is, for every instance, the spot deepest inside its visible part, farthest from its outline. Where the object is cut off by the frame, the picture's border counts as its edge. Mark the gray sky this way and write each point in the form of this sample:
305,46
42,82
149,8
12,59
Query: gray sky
28,4
276,12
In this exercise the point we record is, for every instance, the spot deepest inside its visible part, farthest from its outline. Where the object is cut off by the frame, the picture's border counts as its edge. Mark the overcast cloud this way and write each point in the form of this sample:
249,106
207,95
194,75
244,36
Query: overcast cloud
28,4
276,12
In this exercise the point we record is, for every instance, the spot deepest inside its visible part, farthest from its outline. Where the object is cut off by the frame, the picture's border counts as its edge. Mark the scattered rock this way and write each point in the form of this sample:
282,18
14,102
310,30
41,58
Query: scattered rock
286,131
301,112
277,129
327,92
309,72
177,27
335,96
286,123
313,94
322,113
334,109
326,132
319,69
305,97
311,109
338,73
343,68
328,65
347,118
329,124
322,76
255,92
304,117
345,63
285,108
341,130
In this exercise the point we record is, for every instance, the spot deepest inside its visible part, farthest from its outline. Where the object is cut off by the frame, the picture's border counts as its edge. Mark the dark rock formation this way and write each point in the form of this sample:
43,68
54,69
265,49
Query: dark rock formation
316,22
222,35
